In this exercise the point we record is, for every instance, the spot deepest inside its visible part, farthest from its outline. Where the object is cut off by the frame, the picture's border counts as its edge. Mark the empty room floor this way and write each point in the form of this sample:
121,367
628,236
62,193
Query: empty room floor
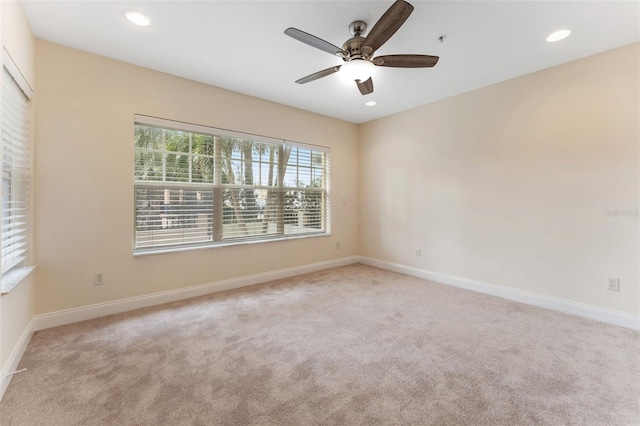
345,346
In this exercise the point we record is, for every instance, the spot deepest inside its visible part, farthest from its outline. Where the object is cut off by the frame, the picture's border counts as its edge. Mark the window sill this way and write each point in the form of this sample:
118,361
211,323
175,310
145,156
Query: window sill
229,244
13,278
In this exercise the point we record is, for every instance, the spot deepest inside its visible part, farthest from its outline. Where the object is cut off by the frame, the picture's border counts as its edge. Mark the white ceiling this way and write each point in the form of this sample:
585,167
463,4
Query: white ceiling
240,45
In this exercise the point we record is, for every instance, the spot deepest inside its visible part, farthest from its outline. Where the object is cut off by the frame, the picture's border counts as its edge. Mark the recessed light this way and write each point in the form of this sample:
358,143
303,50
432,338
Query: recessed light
370,103
137,17
558,35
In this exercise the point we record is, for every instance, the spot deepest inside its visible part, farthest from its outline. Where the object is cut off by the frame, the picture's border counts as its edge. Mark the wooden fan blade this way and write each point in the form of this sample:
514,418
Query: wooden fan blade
387,26
365,87
319,74
314,41
406,61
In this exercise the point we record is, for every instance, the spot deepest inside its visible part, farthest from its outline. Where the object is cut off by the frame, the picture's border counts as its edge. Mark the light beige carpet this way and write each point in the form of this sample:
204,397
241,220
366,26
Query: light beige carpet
348,346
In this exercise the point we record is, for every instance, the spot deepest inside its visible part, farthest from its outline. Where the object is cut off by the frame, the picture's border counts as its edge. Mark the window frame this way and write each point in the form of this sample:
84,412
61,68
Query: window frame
18,177
218,188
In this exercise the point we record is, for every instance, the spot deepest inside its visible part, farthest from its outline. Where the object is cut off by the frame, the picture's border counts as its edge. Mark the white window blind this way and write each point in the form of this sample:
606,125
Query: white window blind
201,186
16,176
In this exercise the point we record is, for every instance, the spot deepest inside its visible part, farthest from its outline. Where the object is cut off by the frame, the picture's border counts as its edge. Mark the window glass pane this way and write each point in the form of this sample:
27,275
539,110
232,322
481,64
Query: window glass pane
177,168
293,155
303,211
171,216
149,138
291,176
304,177
304,158
202,169
245,213
177,141
269,167
235,172
202,144
148,165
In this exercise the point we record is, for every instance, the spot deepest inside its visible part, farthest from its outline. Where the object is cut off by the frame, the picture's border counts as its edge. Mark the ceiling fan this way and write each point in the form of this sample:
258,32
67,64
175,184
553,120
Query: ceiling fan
357,52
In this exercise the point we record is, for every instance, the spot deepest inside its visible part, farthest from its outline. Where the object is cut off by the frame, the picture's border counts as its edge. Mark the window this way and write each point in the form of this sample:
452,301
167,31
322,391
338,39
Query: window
16,176
200,186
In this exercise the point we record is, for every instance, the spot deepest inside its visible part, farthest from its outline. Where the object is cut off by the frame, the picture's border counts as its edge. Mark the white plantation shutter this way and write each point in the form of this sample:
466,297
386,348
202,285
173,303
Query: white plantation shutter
16,176
201,186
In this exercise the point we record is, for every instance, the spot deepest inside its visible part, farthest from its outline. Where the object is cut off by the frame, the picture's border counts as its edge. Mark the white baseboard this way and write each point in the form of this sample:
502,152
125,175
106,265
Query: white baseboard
567,306
68,316
14,358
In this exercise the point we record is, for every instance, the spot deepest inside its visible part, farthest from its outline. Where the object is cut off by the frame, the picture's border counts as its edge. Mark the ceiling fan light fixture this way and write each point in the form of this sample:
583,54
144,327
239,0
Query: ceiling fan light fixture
558,35
138,18
357,69
357,52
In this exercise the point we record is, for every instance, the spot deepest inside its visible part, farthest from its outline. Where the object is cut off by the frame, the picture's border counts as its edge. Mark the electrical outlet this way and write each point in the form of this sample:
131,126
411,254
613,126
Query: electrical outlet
613,284
98,278
337,245
418,252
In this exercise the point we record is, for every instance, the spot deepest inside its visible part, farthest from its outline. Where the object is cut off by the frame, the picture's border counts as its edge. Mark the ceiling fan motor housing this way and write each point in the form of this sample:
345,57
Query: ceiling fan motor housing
353,48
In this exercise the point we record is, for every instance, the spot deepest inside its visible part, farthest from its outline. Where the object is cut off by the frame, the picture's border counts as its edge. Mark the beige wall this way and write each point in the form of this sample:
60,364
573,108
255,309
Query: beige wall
84,183
17,307
509,184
